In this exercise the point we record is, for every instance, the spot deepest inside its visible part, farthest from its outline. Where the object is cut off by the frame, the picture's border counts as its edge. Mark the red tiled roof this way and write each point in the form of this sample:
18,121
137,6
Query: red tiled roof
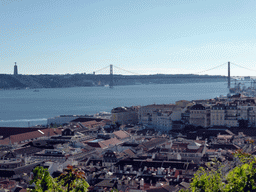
30,135
121,134
152,143
128,152
112,141
8,131
92,124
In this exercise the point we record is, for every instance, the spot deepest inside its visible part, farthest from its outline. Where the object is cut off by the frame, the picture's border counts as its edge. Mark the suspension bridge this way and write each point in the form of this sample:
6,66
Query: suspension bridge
228,64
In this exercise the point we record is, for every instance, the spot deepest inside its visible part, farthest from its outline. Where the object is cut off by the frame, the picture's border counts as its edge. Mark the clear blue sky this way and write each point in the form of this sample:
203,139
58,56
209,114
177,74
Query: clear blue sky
142,36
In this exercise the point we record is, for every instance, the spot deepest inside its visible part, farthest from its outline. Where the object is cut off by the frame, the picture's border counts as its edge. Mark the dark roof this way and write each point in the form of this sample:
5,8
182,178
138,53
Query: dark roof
8,131
165,188
85,119
27,168
106,183
197,107
224,146
18,189
185,185
138,163
223,106
209,132
6,173
152,143
9,155
28,150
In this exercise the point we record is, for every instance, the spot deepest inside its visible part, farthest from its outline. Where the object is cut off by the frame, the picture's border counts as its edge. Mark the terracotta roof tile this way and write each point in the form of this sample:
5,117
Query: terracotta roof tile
121,134
8,131
23,137
112,141
92,124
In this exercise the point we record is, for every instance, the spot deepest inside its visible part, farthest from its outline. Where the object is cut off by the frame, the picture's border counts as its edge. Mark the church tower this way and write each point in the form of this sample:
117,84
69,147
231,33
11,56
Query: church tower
15,69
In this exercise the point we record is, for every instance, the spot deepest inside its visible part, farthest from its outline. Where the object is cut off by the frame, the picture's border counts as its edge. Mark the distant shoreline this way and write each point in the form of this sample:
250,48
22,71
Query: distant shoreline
89,80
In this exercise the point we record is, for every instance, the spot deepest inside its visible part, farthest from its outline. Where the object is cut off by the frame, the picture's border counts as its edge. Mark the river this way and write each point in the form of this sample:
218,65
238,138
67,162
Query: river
18,108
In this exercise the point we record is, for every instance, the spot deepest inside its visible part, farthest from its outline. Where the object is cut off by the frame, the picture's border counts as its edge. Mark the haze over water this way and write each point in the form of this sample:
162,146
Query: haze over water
18,107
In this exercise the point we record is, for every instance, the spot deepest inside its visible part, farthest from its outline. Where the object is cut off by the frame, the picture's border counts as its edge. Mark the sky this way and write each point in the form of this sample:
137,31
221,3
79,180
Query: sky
140,36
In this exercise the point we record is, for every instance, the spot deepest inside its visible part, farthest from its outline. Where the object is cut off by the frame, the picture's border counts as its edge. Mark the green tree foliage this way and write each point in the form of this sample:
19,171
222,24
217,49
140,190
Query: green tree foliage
208,181
241,177
43,180
71,180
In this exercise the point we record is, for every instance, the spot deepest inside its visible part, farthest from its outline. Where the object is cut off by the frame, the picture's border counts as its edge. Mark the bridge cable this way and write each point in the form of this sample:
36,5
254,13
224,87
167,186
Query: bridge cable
243,67
101,69
212,68
126,70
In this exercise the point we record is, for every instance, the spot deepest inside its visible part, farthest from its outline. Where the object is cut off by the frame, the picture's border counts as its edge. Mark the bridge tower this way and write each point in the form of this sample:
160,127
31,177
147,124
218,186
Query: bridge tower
229,74
111,77
15,69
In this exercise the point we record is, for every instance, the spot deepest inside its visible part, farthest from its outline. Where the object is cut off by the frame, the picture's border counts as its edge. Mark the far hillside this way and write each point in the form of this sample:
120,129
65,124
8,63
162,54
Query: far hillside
82,80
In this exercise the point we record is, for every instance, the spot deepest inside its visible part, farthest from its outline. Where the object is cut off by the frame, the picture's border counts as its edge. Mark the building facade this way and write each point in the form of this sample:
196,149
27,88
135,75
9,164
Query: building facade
199,115
124,115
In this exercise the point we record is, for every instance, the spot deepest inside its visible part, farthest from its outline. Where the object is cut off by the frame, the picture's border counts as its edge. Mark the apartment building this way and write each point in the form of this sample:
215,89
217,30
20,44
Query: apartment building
159,116
163,120
247,112
145,112
224,115
124,115
200,115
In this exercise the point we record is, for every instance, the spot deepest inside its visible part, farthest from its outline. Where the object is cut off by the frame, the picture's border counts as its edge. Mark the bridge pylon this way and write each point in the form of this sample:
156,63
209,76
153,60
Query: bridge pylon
229,74
111,84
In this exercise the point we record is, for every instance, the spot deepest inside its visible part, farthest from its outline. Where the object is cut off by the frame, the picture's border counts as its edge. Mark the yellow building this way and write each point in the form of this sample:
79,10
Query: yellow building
224,115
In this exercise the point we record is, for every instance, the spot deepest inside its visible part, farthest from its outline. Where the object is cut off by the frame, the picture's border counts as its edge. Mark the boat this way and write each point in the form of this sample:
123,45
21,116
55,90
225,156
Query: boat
36,90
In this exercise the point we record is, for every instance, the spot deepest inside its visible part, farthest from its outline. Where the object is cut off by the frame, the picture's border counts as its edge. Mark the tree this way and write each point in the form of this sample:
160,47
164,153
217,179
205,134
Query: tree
71,180
43,180
208,180
241,177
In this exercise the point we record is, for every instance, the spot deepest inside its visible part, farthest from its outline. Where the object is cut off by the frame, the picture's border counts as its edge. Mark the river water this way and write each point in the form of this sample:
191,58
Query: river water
20,108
